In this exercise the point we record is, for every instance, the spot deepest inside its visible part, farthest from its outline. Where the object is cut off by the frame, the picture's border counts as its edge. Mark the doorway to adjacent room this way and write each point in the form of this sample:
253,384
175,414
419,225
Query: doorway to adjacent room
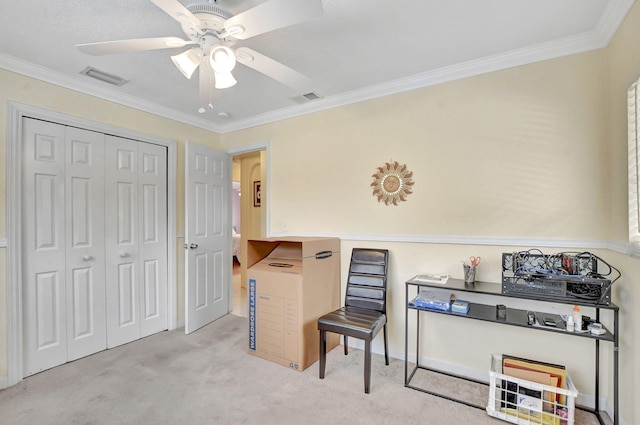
248,217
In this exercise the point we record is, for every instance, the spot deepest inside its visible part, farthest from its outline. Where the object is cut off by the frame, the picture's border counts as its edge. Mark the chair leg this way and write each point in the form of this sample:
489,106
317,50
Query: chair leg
367,365
323,353
386,345
346,345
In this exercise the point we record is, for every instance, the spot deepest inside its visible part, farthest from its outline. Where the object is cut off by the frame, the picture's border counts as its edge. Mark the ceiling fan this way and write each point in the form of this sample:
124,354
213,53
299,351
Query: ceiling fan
212,31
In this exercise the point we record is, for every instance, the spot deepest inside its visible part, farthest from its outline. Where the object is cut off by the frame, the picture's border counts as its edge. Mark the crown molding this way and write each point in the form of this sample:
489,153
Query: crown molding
606,27
612,17
558,48
47,75
579,43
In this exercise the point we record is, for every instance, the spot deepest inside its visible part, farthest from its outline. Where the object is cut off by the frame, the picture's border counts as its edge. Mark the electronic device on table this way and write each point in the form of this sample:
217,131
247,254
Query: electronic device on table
579,277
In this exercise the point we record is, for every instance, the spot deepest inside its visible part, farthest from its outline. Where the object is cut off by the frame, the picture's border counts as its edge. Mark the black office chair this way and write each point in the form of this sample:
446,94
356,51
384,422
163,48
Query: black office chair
365,308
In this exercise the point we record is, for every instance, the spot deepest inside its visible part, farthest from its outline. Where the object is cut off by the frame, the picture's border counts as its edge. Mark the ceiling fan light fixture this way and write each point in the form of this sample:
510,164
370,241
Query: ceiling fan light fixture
187,62
222,59
224,80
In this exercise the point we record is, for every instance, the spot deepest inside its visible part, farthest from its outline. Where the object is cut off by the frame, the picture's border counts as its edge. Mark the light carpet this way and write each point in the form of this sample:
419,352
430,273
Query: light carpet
209,378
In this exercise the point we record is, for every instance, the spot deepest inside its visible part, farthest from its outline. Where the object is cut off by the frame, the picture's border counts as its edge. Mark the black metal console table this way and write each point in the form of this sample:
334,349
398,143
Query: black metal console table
514,317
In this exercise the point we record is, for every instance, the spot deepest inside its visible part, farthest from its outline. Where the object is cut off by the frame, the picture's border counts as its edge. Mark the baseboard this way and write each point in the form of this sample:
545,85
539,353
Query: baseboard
476,374
585,400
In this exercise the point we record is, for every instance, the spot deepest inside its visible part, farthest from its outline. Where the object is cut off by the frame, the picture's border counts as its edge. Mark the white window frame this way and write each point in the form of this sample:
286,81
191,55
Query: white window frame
633,114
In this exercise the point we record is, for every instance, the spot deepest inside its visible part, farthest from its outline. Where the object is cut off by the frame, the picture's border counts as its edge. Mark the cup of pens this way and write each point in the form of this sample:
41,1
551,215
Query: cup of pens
469,269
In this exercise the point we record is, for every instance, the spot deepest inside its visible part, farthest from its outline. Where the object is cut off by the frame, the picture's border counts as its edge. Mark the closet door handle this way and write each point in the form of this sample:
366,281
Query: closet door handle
123,254
86,257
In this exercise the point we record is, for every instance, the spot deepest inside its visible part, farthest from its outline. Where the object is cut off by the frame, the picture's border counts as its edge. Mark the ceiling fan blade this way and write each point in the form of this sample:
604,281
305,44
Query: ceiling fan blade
177,11
133,45
272,15
273,69
207,82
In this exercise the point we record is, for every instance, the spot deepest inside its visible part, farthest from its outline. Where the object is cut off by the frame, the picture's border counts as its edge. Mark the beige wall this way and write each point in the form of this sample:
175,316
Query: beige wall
17,88
533,152
528,140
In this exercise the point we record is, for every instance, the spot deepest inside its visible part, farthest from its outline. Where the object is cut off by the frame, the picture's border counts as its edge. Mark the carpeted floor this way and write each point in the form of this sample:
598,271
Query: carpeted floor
209,378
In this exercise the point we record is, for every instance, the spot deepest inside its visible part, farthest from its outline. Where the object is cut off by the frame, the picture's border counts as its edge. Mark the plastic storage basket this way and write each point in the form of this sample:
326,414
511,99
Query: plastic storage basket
524,402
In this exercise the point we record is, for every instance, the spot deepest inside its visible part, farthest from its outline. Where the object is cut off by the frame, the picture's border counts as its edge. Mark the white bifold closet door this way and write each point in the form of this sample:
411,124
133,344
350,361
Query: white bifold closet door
71,247
63,244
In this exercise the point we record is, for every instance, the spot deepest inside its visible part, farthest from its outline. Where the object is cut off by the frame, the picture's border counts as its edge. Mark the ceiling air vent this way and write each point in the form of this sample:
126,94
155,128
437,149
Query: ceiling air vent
311,96
103,76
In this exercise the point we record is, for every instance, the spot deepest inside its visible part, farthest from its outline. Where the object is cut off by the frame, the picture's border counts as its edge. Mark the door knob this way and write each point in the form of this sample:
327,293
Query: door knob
123,254
193,246
86,257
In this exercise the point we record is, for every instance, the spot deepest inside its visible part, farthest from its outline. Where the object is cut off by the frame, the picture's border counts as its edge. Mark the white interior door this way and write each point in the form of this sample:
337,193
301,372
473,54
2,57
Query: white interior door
63,246
208,237
136,239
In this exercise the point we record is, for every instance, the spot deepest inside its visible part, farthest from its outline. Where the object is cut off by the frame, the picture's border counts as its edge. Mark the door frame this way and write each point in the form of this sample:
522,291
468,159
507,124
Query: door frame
265,174
15,113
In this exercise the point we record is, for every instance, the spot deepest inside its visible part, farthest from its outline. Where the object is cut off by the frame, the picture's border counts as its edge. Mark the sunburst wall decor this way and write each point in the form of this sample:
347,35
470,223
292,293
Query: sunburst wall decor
392,183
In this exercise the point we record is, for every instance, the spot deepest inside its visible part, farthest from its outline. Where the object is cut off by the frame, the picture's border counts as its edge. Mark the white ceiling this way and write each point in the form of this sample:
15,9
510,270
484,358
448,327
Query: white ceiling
358,49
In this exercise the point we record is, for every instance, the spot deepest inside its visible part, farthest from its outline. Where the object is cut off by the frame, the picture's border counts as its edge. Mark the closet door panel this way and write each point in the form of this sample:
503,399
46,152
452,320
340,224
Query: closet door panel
43,246
122,241
152,183
85,251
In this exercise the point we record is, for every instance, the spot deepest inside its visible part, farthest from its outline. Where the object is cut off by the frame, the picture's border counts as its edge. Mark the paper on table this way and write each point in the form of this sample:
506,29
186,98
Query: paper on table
432,278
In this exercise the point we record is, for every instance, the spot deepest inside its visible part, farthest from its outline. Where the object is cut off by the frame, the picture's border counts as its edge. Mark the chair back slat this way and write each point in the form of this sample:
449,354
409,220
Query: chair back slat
360,292
367,303
366,268
367,281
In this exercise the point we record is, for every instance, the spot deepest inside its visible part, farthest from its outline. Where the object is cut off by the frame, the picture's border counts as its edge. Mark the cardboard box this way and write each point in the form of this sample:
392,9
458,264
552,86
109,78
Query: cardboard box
291,283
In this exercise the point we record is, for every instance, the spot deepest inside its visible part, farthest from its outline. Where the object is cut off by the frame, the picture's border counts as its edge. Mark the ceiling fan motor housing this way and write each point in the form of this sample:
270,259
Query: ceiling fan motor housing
212,19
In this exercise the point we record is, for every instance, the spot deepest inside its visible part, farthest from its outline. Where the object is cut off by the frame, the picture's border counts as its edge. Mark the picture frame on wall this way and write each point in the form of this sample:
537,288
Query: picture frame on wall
256,194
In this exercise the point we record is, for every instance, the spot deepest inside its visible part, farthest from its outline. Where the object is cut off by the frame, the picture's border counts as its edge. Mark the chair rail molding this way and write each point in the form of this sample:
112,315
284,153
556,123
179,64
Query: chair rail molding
620,247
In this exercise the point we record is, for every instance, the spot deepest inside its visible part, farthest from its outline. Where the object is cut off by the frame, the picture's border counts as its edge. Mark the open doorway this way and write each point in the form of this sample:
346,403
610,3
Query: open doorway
248,217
